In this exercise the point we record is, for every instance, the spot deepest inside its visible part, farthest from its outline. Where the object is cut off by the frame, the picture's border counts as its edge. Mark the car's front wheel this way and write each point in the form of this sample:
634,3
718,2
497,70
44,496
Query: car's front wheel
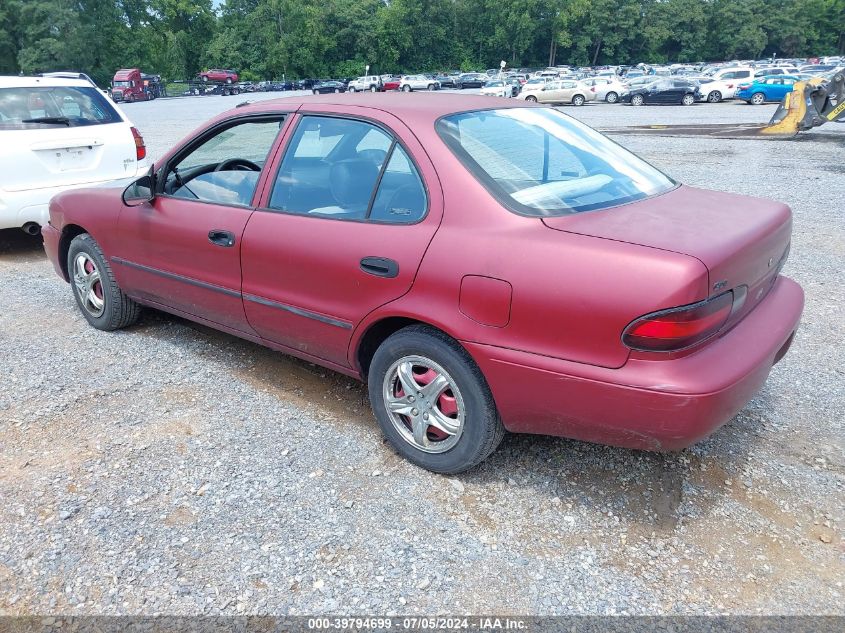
406,88
578,100
97,294
432,402
373,89
351,88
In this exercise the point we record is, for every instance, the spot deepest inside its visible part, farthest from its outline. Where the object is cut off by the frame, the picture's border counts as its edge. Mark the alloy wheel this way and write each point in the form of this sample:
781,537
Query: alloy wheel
714,97
424,404
88,284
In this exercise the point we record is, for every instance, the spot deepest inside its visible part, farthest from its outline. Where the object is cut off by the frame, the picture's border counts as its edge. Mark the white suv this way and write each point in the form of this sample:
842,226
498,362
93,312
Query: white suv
58,134
418,82
362,84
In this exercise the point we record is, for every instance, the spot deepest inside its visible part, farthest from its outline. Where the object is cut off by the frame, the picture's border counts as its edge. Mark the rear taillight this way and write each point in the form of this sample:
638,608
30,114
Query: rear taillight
593,89
730,86
679,328
140,148
743,86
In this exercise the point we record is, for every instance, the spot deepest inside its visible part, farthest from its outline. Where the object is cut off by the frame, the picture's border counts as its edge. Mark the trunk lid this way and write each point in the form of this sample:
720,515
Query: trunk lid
742,241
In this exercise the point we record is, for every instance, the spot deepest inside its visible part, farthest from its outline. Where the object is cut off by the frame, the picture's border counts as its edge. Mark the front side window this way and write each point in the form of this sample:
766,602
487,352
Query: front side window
51,107
540,162
350,170
224,168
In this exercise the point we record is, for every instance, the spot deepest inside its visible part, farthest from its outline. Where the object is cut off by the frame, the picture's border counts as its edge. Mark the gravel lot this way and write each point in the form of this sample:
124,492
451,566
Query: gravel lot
172,469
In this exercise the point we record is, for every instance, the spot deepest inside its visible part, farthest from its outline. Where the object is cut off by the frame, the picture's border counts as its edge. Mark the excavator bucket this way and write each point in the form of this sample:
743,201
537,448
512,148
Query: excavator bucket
811,103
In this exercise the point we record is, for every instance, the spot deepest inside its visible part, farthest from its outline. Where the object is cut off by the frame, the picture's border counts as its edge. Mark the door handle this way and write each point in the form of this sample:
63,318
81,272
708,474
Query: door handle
221,238
380,267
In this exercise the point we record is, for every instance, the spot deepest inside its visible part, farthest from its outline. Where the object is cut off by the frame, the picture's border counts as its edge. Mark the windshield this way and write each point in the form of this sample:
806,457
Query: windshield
122,84
540,162
47,107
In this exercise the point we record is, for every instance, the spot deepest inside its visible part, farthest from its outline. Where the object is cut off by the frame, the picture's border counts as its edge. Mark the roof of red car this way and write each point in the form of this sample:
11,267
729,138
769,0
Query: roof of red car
417,106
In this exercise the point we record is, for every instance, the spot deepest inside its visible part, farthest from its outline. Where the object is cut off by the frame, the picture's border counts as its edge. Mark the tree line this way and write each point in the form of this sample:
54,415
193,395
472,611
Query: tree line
269,39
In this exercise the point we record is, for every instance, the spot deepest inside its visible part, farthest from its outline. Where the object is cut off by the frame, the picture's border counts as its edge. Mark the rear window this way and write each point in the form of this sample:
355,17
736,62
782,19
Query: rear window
49,107
540,162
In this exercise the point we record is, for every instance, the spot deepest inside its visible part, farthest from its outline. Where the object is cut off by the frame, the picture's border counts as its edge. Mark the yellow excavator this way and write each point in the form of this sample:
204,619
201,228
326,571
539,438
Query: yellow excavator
812,102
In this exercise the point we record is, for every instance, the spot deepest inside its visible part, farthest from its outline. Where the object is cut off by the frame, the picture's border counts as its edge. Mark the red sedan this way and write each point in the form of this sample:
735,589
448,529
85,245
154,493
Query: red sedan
483,266
219,74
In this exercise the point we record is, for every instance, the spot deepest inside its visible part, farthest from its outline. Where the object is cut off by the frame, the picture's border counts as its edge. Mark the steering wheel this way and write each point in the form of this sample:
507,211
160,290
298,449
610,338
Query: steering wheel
237,162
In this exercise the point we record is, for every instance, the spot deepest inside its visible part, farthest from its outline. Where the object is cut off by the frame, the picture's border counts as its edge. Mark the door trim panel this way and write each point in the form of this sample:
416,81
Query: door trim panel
322,318
175,277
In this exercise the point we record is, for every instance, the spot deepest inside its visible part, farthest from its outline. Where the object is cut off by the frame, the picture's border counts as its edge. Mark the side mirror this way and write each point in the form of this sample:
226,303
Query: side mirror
140,191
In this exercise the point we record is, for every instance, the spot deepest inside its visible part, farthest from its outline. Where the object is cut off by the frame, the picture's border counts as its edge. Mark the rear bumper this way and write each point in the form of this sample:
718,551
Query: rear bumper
33,205
654,405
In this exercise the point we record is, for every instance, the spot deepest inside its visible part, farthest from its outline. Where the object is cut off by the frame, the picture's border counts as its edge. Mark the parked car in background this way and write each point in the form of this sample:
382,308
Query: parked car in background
57,134
326,87
765,89
497,88
367,83
819,69
219,74
663,91
391,83
445,81
355,246
566,91
247,86
606,88
716,90
775,70
305,84
409,83
471,80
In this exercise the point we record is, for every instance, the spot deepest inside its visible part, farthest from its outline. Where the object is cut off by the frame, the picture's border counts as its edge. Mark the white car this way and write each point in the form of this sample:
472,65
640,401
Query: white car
497,88
371,83
716,90
606,88
417,82
58,134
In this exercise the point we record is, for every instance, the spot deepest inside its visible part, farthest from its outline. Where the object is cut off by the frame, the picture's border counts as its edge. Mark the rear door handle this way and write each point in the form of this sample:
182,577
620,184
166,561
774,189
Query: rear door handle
380,267
221,238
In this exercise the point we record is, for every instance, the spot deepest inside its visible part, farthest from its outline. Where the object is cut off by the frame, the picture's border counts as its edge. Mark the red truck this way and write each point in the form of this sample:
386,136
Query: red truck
130,84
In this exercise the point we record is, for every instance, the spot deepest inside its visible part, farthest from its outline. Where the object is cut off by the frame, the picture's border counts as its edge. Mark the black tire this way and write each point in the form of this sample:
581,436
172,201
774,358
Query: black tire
373,89
119,311
531,99
578,100
714,97
688,99
315,92
611,97
351,89
758,98
406,88
431,86
482,429
637,100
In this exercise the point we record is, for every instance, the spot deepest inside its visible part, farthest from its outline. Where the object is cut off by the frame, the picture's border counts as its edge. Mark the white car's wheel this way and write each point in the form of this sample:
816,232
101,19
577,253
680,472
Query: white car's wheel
714,97
531,98
406,88
611,97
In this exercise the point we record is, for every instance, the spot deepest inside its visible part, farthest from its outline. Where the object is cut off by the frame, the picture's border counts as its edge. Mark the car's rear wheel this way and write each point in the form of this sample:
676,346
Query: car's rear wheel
337,90
714,97
611,97
432,402
688,99
758,98
373,89
351,88
97,294
637,100
406,88
315,92
431,86
578,100
531,98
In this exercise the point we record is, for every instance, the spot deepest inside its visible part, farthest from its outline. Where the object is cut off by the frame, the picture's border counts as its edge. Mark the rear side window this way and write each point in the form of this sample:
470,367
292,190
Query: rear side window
540,162
44,107
347,170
